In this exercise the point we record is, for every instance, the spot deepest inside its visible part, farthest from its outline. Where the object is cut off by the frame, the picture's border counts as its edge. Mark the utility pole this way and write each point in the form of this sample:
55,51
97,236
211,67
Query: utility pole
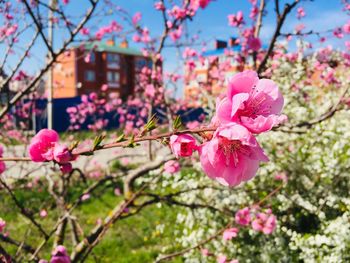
52,5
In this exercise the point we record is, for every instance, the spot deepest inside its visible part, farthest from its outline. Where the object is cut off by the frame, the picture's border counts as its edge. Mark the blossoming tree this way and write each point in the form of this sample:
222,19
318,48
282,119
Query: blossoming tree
283,117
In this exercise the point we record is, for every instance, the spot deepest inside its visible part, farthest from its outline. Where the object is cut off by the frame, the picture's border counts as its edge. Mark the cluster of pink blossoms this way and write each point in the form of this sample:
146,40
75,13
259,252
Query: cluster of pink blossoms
233,155
264,222
45,147
59,255
2,163
2,225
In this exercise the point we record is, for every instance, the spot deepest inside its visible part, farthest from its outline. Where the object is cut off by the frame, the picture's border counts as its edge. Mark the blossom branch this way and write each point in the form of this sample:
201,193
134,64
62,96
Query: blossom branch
280,21
124,143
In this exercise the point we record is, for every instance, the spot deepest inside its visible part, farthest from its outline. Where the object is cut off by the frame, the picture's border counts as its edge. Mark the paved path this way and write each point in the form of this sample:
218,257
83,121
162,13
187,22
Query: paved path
101,159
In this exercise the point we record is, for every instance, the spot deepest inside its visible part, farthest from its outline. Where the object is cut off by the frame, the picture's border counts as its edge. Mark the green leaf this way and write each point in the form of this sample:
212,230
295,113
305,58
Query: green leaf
73,145
177,123
121,138
150,125
132,143
97,141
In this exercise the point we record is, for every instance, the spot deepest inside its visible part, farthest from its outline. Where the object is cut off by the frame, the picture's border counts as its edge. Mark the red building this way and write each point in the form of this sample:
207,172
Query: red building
85,69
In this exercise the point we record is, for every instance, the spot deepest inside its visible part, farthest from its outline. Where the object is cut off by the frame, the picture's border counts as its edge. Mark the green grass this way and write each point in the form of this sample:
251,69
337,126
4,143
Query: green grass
133,239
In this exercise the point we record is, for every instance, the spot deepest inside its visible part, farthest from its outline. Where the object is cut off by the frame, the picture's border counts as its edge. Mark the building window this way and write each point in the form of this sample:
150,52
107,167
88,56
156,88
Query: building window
113,79
90,76
92,58
113,61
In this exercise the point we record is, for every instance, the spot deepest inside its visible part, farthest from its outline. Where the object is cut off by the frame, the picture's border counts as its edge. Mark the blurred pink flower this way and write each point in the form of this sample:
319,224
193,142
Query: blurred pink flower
2,163
254,43
265,223
117,191
43,213
282,177
136,18
66,168
230,233
221,259
183,145
84,31
199,3
243,217
205,252
232,156
104,87
171,167
60,255
346,27
159,6
236,20
85,197
300,12
2,225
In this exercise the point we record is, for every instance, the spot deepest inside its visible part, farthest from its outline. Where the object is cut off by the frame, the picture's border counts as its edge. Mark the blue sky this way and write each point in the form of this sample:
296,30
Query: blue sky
211,23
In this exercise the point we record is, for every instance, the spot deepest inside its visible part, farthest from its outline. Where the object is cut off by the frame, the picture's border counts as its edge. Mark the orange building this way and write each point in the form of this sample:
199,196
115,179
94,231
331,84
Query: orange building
84,69
200,76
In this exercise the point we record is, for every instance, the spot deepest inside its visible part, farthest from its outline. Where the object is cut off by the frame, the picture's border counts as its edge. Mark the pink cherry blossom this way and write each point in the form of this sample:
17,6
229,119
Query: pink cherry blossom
2,163
2,224
66,168
2,167
136,18
104,87
205,252
346,28
117,192
61,153
301,12
254,43
85,197
243,217
281,177
43,213
176,34
159,6
265,223
171,167
195,4
84,31
254,103
230,233
60,255
221,259
182,145
232,155
42,145
236,20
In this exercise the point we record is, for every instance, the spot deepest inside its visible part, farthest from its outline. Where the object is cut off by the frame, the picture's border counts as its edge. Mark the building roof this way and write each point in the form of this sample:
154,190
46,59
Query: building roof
102,46
221,51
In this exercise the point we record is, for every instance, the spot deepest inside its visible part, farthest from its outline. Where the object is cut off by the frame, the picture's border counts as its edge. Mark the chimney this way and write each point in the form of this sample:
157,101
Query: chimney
124,44
232,42
110,42
219,44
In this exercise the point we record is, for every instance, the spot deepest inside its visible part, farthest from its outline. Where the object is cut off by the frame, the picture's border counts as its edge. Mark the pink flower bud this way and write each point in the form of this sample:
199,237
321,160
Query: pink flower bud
183,145
171,167
66,168
230,233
